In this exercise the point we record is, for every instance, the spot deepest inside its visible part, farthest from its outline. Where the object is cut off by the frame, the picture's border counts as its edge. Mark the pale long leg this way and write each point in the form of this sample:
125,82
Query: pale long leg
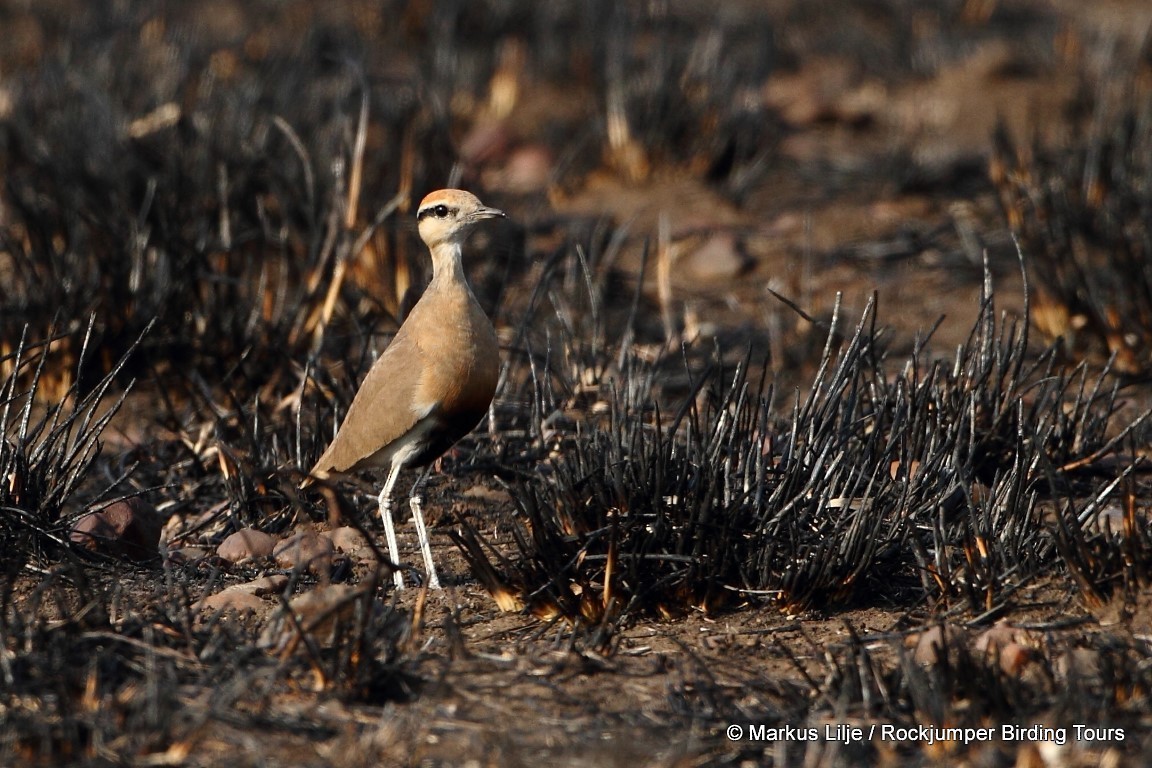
385,503
414,501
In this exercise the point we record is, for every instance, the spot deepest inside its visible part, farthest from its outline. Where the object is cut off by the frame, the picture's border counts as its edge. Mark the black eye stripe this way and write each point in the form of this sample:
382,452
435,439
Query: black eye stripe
439,211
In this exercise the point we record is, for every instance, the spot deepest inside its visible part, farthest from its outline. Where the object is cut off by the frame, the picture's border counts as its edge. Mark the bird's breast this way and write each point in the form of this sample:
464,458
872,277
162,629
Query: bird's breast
461,361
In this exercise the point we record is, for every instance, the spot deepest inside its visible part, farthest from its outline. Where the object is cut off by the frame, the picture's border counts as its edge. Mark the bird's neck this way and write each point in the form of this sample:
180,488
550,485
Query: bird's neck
446,263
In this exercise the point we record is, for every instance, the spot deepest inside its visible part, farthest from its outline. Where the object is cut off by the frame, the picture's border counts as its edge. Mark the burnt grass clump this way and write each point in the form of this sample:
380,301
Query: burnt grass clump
206,239
1082,214
887,482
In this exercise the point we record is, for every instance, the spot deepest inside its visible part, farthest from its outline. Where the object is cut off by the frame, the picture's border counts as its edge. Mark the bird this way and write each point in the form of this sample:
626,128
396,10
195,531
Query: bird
434,382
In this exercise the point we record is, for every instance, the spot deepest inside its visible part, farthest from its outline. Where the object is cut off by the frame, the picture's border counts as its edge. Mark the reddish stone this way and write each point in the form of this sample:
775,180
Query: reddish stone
246,544
128,529
305,551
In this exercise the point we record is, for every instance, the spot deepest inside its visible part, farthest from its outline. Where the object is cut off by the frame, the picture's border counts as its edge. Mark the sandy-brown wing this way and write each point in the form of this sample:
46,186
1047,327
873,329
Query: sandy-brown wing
382,411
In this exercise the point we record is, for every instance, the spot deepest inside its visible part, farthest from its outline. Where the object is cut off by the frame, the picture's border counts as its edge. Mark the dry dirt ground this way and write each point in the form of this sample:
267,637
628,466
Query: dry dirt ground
875,181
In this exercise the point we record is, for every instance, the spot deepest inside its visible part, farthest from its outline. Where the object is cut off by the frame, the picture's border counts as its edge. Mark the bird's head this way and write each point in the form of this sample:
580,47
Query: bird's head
446,216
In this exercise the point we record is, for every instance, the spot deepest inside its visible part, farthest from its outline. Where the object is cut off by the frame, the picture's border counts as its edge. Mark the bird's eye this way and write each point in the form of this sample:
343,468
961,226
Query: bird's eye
440,211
